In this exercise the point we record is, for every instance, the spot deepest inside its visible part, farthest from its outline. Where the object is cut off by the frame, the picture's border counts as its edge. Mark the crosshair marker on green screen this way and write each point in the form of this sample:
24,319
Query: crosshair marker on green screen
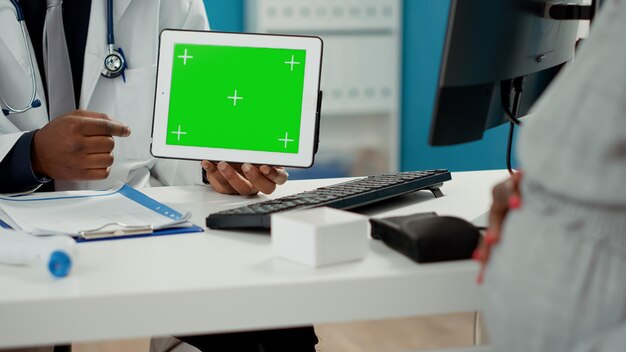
236,98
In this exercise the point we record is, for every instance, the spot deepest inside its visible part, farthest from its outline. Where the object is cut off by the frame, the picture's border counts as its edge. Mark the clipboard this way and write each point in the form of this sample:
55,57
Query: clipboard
164,232
119,213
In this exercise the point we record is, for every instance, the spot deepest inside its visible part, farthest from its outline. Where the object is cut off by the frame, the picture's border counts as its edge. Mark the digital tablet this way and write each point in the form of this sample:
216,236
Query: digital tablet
237,97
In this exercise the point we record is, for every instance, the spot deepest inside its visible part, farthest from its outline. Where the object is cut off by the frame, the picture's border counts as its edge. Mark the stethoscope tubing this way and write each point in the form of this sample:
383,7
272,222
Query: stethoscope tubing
18,11
34,102
20,18
110,31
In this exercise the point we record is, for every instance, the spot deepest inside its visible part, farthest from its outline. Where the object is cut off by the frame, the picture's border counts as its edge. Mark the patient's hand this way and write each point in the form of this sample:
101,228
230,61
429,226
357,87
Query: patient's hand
243,179
506,197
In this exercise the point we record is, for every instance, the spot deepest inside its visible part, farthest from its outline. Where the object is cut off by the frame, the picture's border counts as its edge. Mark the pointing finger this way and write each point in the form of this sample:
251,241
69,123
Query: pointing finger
103,127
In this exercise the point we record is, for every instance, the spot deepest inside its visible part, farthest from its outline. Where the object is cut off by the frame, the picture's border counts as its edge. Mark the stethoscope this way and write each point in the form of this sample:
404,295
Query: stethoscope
114,62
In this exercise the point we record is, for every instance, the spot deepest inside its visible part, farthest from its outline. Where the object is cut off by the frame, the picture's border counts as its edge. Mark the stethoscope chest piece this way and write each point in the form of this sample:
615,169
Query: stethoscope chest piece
114,64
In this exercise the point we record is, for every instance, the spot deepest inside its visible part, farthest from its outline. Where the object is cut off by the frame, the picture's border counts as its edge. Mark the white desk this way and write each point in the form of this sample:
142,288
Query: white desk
226,281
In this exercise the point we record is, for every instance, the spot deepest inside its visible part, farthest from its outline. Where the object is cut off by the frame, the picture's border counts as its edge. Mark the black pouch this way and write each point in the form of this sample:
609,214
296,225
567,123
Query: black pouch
427,237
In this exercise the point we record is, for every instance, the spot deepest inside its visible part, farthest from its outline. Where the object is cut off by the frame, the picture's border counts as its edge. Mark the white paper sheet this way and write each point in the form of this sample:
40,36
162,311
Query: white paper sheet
75,211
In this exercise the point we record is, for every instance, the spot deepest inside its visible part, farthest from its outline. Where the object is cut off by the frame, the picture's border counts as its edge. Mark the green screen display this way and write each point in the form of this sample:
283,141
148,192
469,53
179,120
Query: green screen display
236,98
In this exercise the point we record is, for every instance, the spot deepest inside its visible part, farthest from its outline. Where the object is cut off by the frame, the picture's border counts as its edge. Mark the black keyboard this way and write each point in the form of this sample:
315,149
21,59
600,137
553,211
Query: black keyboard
347,195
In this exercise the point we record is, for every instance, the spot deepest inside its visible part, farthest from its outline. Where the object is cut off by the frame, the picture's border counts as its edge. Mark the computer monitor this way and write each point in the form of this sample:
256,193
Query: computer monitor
491,48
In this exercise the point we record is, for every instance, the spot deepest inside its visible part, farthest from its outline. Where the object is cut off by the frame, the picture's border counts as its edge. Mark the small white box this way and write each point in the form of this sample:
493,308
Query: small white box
320,236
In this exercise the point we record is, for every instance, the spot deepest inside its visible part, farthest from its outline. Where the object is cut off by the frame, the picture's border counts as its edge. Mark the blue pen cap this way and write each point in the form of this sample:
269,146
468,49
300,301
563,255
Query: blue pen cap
60,264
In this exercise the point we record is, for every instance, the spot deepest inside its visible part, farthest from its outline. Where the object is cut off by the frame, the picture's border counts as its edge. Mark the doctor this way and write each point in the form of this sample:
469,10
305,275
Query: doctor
44,137
67,70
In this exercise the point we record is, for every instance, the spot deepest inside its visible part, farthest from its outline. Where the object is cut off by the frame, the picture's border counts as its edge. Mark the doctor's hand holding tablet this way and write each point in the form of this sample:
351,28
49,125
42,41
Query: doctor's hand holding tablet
246,99
244,179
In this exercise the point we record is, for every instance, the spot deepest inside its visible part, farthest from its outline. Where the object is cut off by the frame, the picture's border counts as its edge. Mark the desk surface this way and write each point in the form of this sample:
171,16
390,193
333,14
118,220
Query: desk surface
226,281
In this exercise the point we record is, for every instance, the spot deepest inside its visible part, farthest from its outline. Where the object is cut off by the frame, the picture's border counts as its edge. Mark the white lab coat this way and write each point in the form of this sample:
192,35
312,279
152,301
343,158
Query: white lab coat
137,26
